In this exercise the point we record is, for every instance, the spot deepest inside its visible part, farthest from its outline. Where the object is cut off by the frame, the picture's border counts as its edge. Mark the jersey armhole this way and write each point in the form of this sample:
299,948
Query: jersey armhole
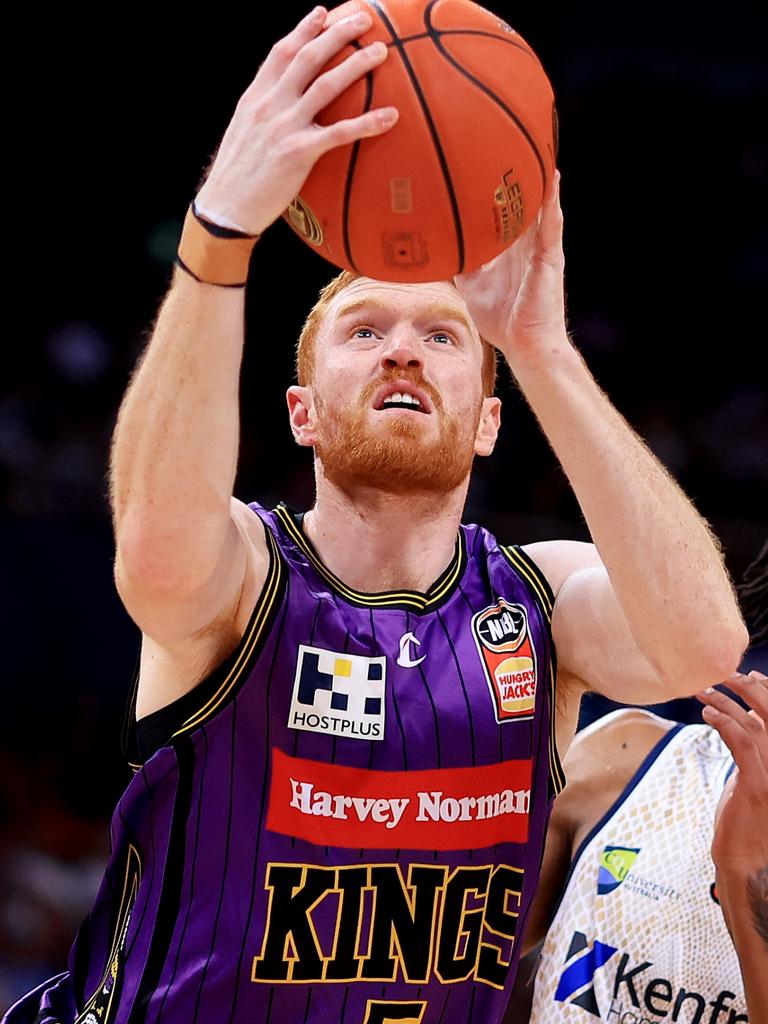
653,754
543,596
143,738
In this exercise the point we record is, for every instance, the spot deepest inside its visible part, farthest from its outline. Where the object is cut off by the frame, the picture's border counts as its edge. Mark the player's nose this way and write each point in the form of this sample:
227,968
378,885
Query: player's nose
400,351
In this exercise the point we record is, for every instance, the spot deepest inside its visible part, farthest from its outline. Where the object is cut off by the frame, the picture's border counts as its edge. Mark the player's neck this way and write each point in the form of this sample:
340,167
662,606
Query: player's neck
376,541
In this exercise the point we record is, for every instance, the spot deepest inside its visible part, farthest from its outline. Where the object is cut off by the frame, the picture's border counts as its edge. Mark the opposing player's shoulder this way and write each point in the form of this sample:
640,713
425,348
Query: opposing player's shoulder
617,741
605,755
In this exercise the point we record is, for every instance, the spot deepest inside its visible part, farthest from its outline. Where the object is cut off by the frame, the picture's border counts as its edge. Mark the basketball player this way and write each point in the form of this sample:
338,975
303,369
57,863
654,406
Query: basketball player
636,914
344,734
654,832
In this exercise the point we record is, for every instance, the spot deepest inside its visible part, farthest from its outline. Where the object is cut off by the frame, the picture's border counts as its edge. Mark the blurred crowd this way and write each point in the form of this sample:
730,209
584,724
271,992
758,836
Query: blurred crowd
664,167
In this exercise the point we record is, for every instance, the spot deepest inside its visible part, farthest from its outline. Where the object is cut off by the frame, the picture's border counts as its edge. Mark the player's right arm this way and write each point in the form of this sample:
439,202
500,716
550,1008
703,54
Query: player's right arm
740,843
190,560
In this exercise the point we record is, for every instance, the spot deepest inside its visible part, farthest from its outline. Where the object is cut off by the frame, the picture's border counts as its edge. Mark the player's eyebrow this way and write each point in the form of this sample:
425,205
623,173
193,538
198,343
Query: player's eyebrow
359,305
433,311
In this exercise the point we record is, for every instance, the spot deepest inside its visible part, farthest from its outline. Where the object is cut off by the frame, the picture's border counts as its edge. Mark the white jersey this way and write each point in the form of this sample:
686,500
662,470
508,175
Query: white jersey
639,936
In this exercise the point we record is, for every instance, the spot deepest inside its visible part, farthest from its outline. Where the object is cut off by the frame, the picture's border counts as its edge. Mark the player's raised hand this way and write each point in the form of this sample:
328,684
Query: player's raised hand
517,301
273,141
741,820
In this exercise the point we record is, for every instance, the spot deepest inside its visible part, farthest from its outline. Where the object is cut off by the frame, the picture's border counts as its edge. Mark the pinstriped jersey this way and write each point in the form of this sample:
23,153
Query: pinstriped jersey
639,934
345,822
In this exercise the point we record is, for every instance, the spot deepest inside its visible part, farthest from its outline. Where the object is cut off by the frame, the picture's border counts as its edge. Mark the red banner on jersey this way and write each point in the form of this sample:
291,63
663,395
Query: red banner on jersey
439,809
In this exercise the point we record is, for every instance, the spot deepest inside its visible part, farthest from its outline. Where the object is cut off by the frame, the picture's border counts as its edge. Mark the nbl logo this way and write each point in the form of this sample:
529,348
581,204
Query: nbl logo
341,694
508,658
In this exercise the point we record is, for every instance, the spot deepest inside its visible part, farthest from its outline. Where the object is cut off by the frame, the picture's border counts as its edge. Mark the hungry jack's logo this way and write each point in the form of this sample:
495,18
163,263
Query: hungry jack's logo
508,657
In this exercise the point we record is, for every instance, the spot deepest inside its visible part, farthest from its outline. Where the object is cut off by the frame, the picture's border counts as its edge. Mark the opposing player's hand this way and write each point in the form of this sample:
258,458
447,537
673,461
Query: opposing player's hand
741,821
273,141
517,300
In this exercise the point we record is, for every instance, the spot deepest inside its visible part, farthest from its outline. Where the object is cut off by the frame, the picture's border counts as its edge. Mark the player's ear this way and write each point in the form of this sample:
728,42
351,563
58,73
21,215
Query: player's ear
301,412
488,427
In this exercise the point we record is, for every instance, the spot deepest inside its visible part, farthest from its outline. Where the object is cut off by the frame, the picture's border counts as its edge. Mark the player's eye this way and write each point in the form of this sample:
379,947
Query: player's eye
362,332
441,338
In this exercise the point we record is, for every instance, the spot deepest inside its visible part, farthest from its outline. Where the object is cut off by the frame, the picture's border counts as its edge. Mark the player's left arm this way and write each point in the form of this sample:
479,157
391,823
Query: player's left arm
740,844
654,616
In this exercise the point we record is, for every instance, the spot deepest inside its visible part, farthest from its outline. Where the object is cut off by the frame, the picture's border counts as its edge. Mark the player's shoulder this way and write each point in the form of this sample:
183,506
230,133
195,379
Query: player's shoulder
604,756
622,738
558,559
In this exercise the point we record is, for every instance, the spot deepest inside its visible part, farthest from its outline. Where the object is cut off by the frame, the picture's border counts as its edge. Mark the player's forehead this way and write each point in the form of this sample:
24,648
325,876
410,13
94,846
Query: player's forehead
433,298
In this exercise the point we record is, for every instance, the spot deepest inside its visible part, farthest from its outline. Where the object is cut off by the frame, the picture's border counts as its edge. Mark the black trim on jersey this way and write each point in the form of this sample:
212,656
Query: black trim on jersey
544,597
407,600
630,787
169,904
144,738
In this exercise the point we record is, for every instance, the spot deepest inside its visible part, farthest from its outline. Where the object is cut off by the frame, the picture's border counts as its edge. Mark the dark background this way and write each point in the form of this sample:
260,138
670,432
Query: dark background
664,161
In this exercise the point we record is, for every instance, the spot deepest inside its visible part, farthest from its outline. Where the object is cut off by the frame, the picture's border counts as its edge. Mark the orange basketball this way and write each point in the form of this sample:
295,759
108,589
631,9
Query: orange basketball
464,170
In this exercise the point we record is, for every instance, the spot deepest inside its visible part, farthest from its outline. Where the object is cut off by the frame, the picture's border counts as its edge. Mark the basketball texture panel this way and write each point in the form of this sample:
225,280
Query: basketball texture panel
514,80
496,175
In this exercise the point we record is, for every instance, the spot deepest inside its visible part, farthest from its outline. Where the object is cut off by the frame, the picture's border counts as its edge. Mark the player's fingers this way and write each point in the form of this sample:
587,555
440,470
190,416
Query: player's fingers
550,234
342,133
313,57
741,744
719,707
327,87
283,52
753,690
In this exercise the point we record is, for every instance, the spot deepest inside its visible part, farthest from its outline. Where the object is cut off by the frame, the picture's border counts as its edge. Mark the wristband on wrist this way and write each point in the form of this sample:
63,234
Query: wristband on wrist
213,254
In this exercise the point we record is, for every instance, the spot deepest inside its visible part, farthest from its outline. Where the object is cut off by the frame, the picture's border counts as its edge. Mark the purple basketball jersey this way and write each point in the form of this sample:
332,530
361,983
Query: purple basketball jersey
345,822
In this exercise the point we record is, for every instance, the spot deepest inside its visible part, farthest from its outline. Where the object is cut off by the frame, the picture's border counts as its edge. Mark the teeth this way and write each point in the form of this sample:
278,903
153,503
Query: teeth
404,398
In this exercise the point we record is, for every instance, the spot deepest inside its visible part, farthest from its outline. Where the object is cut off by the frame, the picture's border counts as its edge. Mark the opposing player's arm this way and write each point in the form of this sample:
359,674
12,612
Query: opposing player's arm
599,764
740,843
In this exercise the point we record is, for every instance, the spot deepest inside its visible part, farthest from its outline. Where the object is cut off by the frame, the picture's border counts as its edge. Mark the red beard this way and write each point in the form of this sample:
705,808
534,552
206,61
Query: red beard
399,461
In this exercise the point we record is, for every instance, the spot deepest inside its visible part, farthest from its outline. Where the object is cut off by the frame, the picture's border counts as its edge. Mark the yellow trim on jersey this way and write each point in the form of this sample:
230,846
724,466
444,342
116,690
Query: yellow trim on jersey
250,640
127,900
538,582
539,585
421,602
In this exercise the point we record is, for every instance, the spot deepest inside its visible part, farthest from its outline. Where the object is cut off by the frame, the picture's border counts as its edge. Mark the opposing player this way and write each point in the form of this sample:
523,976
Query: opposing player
347,735
653,895
657,850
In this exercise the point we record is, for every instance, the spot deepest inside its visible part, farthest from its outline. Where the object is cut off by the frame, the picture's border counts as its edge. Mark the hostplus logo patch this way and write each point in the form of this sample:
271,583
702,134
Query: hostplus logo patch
342,694
633,991
615,862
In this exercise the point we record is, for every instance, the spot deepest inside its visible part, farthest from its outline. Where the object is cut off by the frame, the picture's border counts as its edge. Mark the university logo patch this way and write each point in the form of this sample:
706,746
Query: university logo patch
576,983
508,657
341,694
615,864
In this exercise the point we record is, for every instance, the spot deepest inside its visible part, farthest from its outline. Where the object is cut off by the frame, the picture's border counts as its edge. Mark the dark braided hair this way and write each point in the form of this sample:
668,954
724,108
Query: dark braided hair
753,595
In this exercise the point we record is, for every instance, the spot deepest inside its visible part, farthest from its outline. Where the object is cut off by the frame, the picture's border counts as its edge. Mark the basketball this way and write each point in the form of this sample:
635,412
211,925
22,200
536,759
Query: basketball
464,170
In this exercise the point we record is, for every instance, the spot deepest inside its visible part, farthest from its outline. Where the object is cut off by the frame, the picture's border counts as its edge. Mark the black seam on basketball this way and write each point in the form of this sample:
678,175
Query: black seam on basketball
351,168
466,32
435,36
397,42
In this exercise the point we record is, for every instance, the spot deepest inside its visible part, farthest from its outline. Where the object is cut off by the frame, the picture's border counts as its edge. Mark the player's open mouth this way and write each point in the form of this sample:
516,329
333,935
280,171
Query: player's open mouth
402,395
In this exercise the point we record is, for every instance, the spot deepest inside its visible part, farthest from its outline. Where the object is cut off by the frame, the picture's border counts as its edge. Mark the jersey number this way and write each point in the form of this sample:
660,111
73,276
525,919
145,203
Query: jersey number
379,1012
